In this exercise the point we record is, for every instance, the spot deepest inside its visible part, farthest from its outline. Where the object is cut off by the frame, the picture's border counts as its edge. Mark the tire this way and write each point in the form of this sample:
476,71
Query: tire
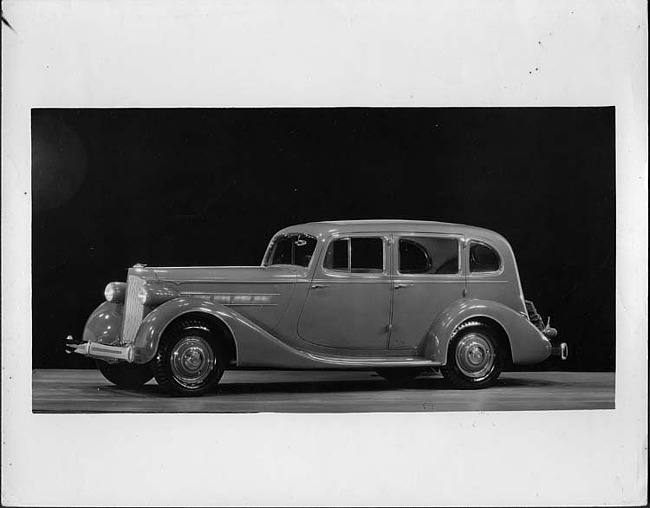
475,358
190,360
125,375
399,375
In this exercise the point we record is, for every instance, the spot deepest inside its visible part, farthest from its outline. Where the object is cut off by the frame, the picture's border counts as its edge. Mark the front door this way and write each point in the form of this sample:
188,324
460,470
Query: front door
427,280
349,300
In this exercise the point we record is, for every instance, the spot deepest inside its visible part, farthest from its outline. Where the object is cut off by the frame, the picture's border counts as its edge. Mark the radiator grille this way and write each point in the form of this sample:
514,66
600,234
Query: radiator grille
133,309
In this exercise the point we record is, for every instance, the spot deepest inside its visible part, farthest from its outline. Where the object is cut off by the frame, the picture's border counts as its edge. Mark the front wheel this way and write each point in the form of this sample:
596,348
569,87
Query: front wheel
475,358
125,375
189,361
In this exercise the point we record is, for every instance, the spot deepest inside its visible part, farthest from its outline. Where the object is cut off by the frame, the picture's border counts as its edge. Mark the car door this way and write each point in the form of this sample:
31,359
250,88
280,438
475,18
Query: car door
349,300
427,279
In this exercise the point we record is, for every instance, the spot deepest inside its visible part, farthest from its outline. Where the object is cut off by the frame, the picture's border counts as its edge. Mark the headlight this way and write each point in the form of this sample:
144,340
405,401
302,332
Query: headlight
115,292
152,295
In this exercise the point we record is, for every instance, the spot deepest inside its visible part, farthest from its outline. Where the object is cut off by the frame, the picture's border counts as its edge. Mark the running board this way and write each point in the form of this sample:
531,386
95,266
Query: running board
411,361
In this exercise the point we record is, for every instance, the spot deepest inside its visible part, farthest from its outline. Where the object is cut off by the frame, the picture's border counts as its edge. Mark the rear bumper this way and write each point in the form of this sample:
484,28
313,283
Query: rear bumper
560,349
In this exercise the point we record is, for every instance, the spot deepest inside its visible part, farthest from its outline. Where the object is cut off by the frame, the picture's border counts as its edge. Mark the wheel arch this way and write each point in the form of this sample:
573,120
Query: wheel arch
154,325
214,324
500,333
492,314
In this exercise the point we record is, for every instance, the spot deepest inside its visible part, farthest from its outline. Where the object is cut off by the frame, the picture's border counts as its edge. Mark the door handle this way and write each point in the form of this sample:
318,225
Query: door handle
319,286
400,286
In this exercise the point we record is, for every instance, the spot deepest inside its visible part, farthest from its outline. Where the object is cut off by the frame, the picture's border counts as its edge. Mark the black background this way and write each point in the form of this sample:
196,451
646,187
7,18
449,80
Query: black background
210,187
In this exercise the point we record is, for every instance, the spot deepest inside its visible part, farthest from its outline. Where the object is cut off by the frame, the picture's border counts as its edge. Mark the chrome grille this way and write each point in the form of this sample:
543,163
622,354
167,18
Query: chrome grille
133,309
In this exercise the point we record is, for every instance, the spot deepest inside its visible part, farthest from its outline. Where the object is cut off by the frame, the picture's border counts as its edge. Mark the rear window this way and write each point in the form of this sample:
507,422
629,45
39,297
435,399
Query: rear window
355,255
483,258
428,255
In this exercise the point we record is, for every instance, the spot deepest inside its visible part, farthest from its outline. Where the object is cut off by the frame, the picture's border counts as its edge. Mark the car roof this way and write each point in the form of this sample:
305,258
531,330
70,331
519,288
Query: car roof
380,225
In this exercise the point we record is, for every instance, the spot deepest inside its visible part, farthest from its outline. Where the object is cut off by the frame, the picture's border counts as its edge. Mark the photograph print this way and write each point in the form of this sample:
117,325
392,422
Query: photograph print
323,260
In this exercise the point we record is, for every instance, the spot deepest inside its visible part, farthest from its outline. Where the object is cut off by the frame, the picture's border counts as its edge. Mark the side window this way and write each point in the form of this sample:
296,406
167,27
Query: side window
336,257
483,258
413,258
355,255
428,255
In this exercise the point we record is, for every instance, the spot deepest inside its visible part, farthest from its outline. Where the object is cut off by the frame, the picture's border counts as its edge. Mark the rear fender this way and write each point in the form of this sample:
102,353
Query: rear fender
527,344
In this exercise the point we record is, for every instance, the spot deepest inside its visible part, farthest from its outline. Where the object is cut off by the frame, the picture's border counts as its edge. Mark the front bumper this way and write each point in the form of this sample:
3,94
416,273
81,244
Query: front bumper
101,351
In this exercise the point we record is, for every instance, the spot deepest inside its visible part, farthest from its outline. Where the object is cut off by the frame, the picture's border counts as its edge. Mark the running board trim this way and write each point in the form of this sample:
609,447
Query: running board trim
373,361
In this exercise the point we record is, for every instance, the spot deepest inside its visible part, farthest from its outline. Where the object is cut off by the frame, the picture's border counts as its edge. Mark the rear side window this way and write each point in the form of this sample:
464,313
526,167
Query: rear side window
483,258
428,255
355,255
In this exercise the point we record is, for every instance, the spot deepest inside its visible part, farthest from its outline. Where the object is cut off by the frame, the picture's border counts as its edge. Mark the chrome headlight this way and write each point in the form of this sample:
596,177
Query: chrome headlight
151,294
115,292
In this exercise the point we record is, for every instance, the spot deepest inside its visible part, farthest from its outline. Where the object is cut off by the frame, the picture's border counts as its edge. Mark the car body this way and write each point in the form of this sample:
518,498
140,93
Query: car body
396,296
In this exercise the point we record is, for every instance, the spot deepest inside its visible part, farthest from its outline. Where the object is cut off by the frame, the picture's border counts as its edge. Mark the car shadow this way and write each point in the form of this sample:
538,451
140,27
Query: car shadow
374,384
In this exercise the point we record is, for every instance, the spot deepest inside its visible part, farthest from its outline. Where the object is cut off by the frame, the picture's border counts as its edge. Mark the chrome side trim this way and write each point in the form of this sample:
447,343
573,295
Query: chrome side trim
292,280
236,299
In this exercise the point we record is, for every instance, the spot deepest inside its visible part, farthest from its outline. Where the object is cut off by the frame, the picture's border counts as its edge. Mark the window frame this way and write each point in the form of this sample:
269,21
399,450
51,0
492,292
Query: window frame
415,234
492,273
348,273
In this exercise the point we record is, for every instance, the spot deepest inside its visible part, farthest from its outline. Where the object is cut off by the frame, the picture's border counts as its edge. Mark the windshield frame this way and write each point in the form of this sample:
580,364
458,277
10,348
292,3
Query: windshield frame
276,238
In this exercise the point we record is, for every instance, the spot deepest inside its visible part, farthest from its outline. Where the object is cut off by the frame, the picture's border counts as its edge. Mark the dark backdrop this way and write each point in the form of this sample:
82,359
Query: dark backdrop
210,186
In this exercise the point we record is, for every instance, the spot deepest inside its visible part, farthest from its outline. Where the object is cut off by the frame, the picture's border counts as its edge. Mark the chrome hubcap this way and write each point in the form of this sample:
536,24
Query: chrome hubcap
474,356
192,360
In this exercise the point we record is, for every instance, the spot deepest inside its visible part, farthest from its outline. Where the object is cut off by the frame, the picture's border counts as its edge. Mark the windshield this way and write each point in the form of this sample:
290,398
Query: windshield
293,249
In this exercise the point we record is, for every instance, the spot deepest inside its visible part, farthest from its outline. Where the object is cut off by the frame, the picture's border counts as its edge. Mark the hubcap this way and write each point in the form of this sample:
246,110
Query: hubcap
192,360
474,356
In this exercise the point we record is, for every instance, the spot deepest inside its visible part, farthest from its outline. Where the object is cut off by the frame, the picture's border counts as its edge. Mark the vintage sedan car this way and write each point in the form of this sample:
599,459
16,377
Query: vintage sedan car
394,296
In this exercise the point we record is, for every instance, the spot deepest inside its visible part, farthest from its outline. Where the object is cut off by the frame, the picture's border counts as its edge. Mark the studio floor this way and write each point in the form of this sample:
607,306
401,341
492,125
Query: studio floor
242,391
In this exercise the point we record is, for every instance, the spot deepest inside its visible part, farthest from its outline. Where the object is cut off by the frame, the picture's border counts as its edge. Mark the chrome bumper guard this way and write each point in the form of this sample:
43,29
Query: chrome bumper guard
101,351
561,350
557,348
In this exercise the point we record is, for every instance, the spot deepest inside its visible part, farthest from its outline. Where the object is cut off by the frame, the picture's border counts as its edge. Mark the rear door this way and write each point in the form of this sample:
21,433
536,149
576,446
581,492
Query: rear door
427,278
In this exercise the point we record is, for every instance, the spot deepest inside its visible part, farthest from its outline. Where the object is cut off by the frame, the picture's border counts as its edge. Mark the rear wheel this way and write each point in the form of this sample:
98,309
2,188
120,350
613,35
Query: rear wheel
125,375
475,358
190,360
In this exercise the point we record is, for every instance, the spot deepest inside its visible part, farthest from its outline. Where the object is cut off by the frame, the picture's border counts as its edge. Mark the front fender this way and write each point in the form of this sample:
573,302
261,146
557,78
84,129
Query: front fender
154,324
254,346
104,324
527,343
